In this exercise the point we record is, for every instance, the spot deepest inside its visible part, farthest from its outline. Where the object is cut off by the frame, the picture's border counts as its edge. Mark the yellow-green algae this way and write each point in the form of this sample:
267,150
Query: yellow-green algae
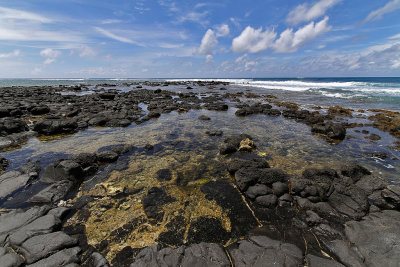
141,173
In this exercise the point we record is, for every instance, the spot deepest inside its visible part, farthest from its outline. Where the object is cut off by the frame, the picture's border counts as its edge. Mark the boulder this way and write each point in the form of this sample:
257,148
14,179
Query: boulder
9,222
195,255
258,190
331,130
53,193
63,170
280,188
246,145
43,225
377,237
263,251
392,195
11,125
55,126
9,258
354,171
4,163
13,180
246,177
98,260
314,261
66,257
346,253
349,200
235,164
268,201
40,110
42,246
107,156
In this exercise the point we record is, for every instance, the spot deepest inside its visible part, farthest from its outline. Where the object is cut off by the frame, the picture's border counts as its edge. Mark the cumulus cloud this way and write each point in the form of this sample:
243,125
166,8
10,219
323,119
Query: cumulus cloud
50,55
208,43
306,12
256,40
14,53
253,40
222,30
209,59
290,41
389,7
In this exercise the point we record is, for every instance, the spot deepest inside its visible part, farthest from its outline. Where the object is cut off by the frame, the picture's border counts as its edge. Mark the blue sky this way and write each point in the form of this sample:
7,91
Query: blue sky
167,38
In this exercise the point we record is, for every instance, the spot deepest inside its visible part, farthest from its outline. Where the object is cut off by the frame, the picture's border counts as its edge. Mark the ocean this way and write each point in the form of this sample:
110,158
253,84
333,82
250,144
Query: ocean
373,92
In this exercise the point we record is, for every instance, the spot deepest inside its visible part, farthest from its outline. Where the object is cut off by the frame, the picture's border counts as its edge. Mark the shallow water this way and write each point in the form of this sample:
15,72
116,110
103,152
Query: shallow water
182,146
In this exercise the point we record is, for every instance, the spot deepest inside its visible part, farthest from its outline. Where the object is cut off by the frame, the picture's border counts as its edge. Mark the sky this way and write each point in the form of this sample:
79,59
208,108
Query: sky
199,39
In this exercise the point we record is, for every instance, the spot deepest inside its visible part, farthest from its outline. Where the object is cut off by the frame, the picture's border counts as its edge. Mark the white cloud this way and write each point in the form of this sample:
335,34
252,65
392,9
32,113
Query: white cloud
290,41
235,22
19,25
395,37
208,43
14,53
389,7
116,37
209,59
170,45
306,12
48,52
111,21
222,30
14,14
86,51
198,17
395,63
50,55
245,63
253,40
376,60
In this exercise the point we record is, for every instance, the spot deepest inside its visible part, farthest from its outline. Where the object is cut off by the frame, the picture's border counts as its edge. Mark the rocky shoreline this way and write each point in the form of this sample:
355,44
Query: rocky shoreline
321,217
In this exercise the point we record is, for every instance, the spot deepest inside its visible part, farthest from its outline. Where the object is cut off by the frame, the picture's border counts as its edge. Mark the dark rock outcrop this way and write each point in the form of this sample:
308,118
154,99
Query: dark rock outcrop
332,130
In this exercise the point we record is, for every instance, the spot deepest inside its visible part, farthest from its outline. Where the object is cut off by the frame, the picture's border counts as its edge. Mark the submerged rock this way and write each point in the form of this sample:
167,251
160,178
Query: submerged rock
153,202
204,118
4,163
331,130
246,145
